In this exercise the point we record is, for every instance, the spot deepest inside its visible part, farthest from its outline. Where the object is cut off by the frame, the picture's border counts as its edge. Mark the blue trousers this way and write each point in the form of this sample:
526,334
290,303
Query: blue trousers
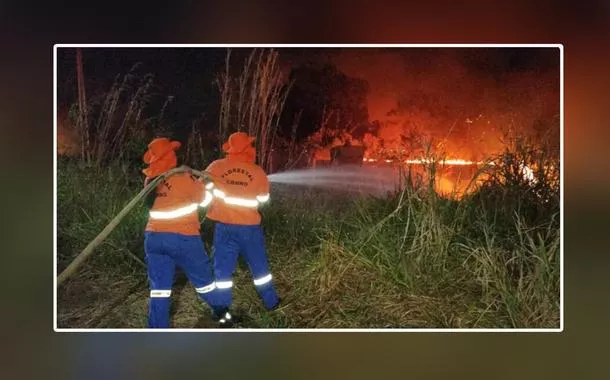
165,251
231,241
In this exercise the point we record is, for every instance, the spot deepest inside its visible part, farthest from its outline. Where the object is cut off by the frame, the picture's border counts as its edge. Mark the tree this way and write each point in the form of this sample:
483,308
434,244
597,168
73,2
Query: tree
326,98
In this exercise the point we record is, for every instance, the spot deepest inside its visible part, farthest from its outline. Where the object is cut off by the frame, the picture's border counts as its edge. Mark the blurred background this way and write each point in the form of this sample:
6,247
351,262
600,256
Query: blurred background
31,349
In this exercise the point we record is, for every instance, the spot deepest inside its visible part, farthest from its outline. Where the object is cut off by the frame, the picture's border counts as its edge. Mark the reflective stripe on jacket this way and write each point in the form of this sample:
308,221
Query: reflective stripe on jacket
240,187
175,206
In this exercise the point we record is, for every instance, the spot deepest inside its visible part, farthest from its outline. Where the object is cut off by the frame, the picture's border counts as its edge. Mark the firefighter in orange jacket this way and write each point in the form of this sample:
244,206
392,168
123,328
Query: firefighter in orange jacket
172,236
241,186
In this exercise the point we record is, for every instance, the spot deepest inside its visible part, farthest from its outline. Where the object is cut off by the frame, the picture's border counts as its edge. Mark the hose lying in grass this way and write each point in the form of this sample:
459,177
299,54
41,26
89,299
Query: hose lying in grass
81,257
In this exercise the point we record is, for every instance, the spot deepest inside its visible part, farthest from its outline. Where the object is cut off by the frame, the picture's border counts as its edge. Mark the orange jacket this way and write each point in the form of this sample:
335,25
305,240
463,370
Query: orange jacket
240,187
175,207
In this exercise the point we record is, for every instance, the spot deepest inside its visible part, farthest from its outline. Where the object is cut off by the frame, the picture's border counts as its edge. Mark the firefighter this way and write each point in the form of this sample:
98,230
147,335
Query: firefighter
172,236
241,186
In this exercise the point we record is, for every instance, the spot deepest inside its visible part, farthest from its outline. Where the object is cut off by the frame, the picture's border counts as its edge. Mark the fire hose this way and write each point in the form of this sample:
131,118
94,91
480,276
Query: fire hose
81,257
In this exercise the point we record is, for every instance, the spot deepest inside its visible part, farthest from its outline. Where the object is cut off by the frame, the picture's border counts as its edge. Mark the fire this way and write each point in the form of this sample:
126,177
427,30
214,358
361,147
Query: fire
423,161
454,181
456,175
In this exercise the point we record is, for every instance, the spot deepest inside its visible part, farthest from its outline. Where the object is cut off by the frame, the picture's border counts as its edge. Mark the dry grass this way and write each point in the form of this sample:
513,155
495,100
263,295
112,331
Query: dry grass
119,123
252,101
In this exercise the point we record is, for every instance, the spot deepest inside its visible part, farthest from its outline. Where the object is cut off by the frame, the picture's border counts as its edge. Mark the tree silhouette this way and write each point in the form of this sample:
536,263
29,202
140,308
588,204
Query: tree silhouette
326,97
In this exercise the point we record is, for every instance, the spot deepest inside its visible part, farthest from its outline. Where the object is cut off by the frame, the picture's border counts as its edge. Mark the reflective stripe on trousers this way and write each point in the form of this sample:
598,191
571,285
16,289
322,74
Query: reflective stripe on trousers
160,293
262,280
224,284
206,289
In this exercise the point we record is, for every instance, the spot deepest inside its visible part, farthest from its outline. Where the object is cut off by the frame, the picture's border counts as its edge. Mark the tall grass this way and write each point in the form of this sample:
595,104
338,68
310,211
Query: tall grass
88,198
252,101
120,122
413,259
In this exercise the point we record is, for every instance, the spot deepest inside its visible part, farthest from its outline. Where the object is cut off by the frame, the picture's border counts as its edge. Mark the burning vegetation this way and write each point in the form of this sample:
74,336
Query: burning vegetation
454,173
445,109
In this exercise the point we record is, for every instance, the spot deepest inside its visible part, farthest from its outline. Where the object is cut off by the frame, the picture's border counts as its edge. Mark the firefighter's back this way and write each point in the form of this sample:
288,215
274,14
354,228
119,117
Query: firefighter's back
175,206
240,188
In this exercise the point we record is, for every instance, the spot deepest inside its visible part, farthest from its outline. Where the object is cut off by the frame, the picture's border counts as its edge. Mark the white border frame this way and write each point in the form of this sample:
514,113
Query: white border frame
380,330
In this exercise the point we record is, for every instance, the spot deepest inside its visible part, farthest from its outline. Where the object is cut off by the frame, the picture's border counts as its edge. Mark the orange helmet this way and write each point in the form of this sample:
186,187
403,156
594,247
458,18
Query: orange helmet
238,142
160,156
158,148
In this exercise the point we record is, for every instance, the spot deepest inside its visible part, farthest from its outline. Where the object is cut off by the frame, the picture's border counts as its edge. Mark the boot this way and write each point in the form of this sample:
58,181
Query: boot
223,317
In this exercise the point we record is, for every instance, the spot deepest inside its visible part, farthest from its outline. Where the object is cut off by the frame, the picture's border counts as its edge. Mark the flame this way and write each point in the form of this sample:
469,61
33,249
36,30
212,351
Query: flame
444,162
456,184
422,161
454,175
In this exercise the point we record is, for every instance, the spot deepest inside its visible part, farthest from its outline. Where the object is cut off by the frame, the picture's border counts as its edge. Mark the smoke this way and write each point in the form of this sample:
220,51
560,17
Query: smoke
394,73
465,99
384,70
